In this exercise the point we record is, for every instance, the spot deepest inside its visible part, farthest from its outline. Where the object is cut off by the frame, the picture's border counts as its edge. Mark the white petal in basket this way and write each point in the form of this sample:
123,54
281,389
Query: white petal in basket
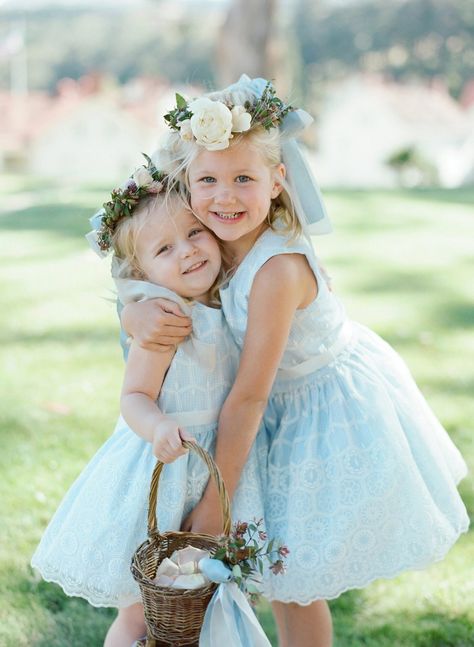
188,554
194,581
188,568
164,580
167,567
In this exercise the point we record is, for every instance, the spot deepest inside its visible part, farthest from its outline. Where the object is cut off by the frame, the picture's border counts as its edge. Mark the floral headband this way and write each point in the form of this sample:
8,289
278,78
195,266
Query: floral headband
211,123
146,180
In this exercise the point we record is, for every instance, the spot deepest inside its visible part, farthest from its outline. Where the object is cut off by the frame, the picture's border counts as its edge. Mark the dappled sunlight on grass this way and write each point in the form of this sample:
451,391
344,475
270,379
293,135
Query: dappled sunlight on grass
50,619
55,218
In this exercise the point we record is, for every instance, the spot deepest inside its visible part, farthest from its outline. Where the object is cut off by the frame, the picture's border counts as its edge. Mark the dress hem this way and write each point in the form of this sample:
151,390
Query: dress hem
76,593
391,574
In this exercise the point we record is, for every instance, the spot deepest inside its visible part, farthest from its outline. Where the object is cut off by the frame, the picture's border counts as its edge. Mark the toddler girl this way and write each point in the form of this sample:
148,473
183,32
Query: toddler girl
161,250
360,476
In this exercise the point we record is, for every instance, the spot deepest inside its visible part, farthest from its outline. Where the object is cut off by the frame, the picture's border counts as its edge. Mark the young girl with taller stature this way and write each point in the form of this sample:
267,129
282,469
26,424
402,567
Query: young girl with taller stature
360,476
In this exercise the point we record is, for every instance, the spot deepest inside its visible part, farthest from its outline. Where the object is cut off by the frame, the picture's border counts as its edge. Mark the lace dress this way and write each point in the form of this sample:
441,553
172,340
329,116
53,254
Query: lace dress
360,476
88,545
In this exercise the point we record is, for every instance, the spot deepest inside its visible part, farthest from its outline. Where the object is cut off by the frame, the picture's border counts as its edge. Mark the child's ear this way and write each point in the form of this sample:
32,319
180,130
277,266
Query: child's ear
280,174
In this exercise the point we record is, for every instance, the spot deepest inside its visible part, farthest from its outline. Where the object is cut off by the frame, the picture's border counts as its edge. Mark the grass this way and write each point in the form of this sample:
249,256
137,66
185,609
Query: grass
402,261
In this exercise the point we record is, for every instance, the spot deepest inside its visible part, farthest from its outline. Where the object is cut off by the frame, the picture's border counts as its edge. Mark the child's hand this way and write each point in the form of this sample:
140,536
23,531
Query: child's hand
156,324
167,440
206,518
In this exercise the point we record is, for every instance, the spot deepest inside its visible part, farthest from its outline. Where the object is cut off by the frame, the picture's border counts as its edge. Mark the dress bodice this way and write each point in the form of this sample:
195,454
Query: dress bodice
204,365
314,328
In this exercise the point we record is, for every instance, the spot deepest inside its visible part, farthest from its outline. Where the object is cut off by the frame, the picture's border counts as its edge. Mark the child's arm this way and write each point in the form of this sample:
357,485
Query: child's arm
284,284
144,375
155,324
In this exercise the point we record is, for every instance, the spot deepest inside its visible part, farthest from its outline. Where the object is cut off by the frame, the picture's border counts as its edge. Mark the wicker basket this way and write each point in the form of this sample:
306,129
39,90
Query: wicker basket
174,617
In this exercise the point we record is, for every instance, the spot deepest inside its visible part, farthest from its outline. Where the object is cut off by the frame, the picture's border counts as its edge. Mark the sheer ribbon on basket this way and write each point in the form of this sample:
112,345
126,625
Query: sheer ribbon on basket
230,621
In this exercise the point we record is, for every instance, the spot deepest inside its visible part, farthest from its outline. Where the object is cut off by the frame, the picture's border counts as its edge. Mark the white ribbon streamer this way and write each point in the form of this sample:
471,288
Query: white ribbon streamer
305,193
230,621
91,237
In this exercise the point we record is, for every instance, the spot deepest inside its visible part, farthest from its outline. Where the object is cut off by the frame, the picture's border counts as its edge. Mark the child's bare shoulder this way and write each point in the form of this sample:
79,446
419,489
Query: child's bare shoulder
288,267
285,274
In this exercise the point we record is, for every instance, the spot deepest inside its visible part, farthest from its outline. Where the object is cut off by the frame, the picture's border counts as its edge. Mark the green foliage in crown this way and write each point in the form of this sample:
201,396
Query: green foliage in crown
146,180
269,110
181,113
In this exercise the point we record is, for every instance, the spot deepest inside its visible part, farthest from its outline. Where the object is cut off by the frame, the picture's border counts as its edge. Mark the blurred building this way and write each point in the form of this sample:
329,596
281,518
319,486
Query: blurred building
370,132
375,133
86,132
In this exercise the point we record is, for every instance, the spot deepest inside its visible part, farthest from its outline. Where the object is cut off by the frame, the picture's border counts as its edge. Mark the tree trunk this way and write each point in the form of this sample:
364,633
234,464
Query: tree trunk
246,42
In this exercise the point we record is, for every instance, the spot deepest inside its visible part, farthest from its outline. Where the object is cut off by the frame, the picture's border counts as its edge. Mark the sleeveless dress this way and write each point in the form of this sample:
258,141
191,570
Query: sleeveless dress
360,476
88,545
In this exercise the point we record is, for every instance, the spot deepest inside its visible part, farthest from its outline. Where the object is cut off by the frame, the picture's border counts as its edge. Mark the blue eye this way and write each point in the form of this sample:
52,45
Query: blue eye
243,178
207,180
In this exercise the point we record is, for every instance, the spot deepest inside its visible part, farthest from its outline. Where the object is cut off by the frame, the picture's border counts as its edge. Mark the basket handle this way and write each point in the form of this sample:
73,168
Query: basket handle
214,472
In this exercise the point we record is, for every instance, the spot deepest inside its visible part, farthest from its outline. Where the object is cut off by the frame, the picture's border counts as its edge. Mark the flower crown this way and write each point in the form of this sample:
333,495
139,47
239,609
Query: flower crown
211,123
146,180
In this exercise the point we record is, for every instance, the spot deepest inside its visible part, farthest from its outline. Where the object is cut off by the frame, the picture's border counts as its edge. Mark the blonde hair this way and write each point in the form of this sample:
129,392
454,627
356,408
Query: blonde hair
127,231
176,156
125,239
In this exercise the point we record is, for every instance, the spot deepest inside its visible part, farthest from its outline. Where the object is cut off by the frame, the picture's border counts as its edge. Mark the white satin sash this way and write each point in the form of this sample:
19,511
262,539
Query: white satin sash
195,418
322,359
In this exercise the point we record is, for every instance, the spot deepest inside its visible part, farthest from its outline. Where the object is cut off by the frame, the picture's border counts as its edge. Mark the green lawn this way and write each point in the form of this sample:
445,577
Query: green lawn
403,263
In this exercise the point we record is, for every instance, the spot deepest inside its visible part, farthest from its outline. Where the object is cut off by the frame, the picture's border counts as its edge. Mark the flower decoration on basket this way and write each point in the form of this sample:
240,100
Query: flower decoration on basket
146,180
239,558
246,552
193,585
211,123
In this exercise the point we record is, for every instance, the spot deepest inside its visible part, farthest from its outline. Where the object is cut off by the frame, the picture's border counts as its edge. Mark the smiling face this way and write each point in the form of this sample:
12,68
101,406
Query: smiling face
175,251
231,192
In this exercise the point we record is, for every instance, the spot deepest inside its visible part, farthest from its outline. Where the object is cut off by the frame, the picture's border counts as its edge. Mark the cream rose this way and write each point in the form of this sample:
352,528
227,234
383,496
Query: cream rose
185,130
142,177
211,123
240,119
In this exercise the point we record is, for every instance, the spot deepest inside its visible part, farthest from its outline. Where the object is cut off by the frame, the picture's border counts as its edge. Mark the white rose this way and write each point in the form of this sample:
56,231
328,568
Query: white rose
211,123
185,130
142,177
240,119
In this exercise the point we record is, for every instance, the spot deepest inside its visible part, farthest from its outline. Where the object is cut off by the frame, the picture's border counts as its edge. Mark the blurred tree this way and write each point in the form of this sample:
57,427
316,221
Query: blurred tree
120,43
408,39
246,42
412,168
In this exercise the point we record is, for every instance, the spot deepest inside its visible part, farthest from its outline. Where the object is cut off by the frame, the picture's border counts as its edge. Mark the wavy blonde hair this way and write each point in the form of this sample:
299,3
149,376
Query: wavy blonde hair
125,239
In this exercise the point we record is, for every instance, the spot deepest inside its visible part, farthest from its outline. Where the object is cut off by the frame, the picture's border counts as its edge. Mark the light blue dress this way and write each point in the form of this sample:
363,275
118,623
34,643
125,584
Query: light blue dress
88,545
360,475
